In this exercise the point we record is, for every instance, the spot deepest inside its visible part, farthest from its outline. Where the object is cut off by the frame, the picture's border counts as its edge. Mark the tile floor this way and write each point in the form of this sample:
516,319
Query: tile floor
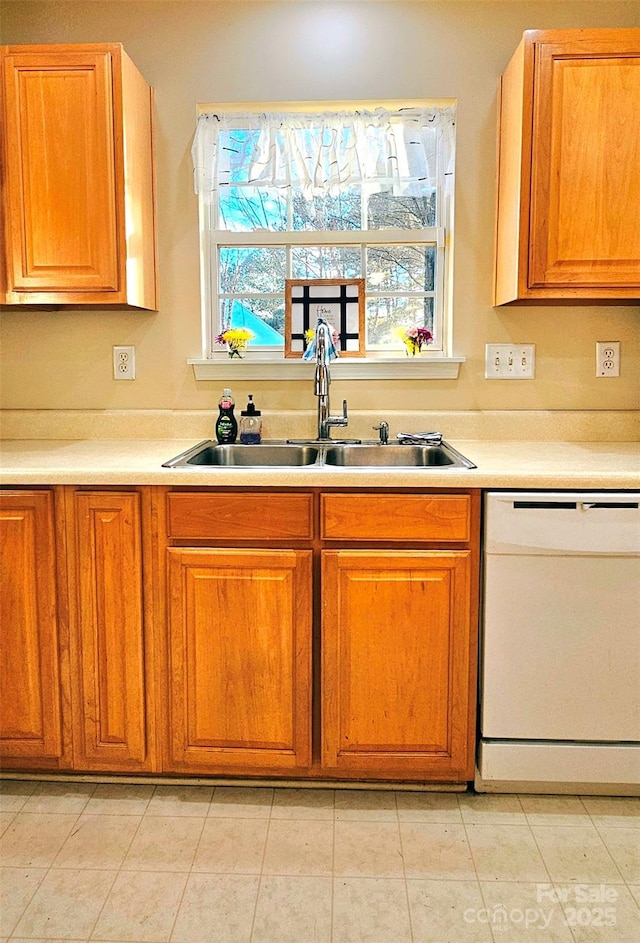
197,864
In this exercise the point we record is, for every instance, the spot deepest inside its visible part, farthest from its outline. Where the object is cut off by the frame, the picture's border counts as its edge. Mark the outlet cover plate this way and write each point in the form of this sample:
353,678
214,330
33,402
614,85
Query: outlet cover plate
510,361
607,358
124,363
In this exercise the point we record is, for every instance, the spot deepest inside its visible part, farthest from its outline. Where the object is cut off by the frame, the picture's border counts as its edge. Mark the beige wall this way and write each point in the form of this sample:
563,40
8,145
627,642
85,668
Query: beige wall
207,51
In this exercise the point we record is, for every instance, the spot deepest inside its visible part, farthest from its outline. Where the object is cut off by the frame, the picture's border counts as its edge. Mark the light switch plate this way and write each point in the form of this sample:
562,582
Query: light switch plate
510,361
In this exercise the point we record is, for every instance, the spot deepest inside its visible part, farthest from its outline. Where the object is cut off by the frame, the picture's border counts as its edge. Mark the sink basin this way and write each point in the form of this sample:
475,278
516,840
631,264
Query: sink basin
392,456
270,454
279,454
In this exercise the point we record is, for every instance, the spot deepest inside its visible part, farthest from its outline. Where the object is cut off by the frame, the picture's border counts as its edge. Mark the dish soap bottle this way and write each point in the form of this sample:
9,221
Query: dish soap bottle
226,423
250,424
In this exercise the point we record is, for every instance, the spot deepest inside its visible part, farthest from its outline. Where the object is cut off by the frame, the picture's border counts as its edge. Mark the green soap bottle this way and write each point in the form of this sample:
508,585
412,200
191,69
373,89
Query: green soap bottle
226,423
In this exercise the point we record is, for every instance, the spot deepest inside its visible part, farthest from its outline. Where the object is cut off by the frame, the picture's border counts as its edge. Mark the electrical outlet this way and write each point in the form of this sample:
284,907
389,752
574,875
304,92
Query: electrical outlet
510,361
608,358
124,363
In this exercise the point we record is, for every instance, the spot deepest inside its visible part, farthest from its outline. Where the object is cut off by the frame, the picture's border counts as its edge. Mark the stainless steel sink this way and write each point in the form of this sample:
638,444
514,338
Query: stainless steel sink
270,454
279,454
396,456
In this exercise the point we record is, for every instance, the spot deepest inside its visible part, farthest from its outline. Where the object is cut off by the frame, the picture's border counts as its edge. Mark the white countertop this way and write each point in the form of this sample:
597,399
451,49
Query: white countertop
501,464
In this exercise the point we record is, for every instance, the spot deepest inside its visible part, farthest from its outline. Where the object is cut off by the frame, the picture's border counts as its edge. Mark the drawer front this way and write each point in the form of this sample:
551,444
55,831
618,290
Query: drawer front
416,517
240,516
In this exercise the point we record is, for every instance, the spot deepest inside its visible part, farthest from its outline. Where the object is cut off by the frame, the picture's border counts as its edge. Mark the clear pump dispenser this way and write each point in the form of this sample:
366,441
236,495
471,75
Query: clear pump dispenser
250,424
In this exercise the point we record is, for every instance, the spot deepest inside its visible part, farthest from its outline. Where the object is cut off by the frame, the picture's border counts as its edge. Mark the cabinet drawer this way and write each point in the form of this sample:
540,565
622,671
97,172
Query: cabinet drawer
442,517
239,516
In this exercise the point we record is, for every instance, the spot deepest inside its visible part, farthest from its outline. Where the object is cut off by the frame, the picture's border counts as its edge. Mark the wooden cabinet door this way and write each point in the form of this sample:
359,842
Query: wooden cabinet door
30,672
585,203
108,642
239,660
397,668
61,222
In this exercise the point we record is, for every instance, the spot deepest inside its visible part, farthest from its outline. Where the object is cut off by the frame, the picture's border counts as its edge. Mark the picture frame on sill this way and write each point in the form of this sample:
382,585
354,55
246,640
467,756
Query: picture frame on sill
339,300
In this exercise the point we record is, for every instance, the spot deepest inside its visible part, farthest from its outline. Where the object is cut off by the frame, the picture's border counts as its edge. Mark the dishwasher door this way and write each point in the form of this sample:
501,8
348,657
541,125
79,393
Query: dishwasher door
561,648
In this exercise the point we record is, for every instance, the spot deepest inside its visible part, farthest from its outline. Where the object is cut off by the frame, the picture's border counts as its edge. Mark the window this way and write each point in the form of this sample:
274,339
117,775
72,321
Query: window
332,194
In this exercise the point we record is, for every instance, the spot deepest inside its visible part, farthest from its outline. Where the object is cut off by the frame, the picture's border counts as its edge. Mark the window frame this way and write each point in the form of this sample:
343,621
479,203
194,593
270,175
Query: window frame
440,236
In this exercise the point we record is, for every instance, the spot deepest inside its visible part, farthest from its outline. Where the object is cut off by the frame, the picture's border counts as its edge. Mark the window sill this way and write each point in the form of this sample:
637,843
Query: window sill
348,368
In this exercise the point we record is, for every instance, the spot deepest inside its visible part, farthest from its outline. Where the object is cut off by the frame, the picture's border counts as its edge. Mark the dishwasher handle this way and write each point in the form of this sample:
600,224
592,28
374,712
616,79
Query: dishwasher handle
573,505
558,523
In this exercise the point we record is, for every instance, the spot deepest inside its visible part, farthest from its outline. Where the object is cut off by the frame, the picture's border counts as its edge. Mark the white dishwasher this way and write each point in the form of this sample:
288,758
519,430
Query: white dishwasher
560,665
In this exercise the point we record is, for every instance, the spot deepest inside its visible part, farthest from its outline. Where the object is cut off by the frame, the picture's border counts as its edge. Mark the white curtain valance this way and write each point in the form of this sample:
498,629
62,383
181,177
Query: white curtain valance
404,152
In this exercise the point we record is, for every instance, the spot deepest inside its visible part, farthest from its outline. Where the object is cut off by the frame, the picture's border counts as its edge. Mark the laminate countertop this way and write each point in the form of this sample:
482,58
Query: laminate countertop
500,464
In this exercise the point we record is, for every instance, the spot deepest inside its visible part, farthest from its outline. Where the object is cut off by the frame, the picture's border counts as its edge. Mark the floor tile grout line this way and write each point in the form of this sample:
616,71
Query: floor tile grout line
333,865
199,842
133,837
118,870
260,875
37,792
404,871
552,880
35,891
610,853
104,903
553,824
602,841
475,868
180,902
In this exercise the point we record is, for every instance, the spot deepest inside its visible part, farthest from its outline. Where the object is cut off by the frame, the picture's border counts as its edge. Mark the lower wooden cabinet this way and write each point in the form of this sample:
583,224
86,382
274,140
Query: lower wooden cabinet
75,665
239,660
396,698
33,686
111,692
299,634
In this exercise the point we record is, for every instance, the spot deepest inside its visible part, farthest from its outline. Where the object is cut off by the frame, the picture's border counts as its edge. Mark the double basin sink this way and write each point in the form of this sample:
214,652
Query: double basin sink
280,454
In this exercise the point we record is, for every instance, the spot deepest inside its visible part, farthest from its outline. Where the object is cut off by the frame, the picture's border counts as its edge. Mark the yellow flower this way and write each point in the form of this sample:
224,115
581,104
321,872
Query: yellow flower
236,339
413,338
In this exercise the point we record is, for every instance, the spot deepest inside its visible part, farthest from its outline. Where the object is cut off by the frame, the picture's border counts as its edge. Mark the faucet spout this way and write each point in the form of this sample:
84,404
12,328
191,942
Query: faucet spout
322,383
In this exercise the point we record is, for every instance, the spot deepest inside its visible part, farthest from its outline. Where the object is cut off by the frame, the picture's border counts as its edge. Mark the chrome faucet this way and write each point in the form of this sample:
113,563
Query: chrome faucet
322,382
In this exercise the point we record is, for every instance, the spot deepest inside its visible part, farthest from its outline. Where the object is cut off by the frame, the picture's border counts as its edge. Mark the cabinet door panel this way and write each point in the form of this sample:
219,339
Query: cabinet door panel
60,156
30,695
110,723
395,677
586,168
240,658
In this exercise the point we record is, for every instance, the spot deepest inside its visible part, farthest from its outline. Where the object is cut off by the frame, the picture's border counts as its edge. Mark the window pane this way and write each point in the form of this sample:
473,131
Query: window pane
263,316
403,212
386,315
327,212
243,209
252,269
325,262
401,268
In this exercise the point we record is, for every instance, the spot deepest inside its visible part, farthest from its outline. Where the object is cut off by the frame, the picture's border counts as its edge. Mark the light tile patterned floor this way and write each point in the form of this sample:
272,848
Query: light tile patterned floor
197,864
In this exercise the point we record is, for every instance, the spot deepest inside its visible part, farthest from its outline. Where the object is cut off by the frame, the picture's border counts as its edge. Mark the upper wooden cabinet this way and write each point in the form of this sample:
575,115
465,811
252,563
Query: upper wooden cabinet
569,168
77,178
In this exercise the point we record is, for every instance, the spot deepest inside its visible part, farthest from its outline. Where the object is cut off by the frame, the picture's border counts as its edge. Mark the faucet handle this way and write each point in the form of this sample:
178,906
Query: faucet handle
383,429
